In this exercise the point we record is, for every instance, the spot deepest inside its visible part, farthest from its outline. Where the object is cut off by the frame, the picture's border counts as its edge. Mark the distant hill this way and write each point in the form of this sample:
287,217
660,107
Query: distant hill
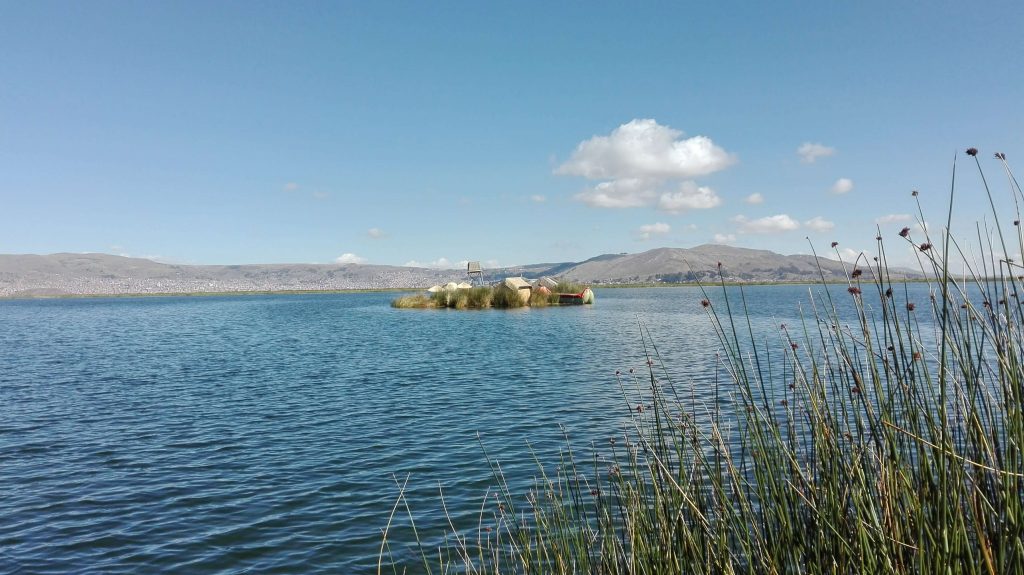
66,273
701,263
87,274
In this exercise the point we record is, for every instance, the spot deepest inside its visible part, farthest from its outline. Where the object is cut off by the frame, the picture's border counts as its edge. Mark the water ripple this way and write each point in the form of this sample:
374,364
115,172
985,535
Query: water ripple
266,434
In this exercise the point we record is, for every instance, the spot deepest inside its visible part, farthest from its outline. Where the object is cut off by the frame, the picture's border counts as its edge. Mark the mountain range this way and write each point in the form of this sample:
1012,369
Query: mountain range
97,274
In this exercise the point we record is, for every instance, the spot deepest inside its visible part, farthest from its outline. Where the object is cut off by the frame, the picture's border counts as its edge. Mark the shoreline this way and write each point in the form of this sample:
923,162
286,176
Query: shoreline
648,285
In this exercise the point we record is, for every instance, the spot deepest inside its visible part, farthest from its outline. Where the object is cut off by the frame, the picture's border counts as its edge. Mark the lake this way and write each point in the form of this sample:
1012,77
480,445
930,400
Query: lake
265,434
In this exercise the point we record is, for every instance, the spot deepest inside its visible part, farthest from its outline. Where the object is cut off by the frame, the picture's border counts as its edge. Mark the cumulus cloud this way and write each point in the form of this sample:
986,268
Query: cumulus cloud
754,198
724,238
637,163
375,233
349,258
766,225
819,224
538,198
624,193
688,197
810,152
848,255
645,149
439,264
892,218
842,186
647,231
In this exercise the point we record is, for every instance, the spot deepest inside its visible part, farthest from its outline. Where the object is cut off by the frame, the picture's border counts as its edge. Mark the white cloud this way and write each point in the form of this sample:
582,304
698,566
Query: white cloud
810,152
848,255
767,224
724,238
538,198
819,224
375,233
290,187
842,186
645,149
688,197
624,193
754,198
439,263
647,231
639,161
892,218
348,258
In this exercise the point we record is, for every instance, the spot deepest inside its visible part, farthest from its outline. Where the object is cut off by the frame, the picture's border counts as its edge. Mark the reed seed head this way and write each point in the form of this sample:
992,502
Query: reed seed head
1000,156
904,232
924,247
972,151
910,306
854,290
857,273
834,244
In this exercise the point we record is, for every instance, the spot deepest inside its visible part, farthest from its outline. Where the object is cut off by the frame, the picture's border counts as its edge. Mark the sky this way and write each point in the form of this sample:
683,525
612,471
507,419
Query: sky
431,133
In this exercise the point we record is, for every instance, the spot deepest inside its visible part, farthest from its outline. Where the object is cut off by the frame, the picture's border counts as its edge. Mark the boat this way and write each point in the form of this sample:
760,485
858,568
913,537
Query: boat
585,296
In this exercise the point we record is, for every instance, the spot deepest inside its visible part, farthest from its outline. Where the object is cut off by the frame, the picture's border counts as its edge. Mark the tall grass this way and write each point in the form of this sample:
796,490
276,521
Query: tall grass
882,443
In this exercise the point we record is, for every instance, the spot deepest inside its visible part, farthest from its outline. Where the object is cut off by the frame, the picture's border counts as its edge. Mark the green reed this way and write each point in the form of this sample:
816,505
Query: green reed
880,444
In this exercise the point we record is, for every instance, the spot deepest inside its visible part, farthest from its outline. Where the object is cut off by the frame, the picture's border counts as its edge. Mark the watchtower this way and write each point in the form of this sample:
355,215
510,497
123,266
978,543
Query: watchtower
475,273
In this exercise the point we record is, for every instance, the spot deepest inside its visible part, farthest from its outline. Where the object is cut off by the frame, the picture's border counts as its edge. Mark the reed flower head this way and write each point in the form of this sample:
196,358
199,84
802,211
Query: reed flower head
910,306
904,232
1000,156
705,302
914,193
857,272
834,244
854,290
924,247
972,151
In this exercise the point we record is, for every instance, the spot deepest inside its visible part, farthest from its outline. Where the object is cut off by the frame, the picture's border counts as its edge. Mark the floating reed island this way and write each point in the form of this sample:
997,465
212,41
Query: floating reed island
509,293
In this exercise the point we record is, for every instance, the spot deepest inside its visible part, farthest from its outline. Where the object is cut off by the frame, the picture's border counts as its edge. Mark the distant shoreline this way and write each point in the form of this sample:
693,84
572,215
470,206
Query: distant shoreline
16,297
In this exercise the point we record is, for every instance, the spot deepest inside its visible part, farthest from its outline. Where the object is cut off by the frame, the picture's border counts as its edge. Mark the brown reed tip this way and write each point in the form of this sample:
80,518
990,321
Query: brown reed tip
857,272
924,247
910,306
834,244
1000,156
705,302
914,193
972,151
853,290
904,232
888,292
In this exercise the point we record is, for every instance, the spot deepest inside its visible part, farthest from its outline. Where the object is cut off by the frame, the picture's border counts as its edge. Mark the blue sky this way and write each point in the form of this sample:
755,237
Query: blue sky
512,133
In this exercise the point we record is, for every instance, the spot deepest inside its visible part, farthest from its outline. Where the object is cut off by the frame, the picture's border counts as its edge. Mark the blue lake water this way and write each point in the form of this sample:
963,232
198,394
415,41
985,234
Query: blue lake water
263,433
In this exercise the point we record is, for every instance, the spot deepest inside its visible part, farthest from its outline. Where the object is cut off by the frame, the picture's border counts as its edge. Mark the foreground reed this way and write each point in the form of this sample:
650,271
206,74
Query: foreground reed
889,440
